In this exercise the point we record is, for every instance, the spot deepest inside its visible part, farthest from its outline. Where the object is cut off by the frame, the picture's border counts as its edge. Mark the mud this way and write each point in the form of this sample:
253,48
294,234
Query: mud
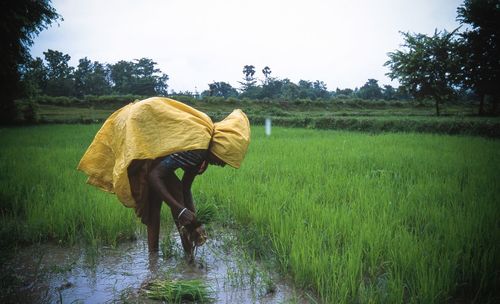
48,273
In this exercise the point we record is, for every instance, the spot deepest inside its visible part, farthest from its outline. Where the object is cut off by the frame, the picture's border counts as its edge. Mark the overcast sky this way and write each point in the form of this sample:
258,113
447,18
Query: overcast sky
340,42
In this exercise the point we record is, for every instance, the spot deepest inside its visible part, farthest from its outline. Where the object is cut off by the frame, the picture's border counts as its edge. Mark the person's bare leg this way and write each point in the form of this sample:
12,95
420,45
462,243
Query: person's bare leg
174,185
154,222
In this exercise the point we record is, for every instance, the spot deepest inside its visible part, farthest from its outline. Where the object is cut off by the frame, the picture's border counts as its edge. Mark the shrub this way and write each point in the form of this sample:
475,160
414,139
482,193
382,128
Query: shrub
26,111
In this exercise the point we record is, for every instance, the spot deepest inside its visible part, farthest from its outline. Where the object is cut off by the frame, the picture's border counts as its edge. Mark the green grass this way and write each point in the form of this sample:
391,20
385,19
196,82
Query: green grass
44,197
354,217
386,218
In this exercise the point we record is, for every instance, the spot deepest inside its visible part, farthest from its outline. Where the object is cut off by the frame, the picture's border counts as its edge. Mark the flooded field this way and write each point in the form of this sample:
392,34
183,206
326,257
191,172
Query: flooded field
48,273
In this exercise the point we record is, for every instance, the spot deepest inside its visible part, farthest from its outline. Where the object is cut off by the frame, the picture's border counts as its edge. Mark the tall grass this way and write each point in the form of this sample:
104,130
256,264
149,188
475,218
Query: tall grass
42,196
361,218
354,217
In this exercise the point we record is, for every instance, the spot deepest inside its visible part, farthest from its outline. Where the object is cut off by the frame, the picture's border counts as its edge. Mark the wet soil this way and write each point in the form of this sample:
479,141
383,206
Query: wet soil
49,273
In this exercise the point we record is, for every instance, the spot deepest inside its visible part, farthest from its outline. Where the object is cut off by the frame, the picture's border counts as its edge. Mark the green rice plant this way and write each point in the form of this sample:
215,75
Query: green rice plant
351,217
168,247
370,218
177,291
43,193
206,212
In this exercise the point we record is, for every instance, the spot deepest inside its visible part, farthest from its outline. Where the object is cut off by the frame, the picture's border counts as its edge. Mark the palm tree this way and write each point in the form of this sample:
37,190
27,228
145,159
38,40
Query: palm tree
266,71
249,71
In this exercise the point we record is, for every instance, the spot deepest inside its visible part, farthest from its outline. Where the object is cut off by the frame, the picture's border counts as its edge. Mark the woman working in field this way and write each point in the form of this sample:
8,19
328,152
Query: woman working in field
139,147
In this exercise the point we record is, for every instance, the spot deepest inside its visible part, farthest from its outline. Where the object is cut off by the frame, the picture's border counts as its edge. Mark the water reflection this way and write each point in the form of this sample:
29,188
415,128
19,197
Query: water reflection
49,273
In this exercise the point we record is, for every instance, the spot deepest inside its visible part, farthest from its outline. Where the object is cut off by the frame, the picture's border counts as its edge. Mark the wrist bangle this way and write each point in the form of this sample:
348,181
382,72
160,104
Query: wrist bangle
180,213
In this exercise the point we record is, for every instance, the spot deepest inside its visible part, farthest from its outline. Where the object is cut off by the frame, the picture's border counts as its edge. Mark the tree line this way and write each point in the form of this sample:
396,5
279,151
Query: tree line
276,88
53,76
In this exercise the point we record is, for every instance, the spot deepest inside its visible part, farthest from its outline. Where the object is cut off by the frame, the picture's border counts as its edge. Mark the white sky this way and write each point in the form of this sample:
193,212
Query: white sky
340,42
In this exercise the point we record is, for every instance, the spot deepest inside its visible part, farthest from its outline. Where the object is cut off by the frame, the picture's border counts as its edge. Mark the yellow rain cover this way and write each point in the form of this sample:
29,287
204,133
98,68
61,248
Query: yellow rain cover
145,129
231,138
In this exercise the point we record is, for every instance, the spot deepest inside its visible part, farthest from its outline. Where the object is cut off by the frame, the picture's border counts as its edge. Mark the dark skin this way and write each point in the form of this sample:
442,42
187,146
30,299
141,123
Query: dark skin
166,187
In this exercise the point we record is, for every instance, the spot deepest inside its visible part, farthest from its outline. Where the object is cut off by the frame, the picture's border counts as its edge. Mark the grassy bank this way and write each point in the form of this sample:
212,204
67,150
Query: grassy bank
355,217
373,118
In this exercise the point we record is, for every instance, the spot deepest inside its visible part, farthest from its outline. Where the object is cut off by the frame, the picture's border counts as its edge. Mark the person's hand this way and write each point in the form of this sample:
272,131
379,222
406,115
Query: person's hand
187,217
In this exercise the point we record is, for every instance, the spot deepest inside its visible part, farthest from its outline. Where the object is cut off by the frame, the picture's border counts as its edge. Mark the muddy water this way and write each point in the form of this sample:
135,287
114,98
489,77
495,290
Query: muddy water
53,274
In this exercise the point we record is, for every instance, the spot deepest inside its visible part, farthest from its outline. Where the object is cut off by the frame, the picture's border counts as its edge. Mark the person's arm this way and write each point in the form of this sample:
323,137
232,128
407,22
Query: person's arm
158,179
187,181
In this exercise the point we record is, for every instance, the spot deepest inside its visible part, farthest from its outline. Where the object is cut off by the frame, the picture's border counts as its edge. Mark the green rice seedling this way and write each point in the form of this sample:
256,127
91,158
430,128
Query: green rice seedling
177,291
206,212
169,248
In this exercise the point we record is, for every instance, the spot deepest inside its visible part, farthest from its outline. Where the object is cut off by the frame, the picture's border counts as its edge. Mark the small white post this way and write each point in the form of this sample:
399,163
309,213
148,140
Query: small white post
268,126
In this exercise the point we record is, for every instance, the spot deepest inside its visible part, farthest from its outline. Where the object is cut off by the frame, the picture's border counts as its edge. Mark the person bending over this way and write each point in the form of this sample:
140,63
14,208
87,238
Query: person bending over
165,186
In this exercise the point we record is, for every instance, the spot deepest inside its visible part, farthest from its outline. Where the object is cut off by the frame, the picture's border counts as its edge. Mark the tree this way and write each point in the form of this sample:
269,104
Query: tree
59,74
140,77
428,67
481,49
144,77
343,92
272,88
161,86
370,90
320,90
83,74
121,74
249,71
266,71
389,93
34,77
221,89
98,83
249,84
289,90
305,89
20,21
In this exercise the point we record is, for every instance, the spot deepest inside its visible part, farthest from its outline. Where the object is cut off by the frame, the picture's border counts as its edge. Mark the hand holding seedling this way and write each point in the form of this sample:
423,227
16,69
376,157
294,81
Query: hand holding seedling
186,217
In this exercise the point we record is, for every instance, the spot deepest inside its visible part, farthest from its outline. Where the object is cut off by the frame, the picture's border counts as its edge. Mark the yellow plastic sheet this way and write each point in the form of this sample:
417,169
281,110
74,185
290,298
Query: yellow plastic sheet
156,127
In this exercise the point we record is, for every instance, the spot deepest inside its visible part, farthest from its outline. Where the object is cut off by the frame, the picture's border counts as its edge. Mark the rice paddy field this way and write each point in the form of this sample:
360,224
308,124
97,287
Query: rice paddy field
348,217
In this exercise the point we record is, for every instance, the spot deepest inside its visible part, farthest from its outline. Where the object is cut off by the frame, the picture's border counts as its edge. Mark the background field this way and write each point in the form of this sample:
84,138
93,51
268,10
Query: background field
354,217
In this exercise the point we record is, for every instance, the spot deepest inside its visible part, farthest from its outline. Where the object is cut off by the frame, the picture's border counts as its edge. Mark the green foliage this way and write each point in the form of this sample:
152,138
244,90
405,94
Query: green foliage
370,90
20,22
336,113
248,87
429,65
55,77
206,212
26,112
34,77
266,71
91,78
59,74
110,101
140,77
479,52
220,89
